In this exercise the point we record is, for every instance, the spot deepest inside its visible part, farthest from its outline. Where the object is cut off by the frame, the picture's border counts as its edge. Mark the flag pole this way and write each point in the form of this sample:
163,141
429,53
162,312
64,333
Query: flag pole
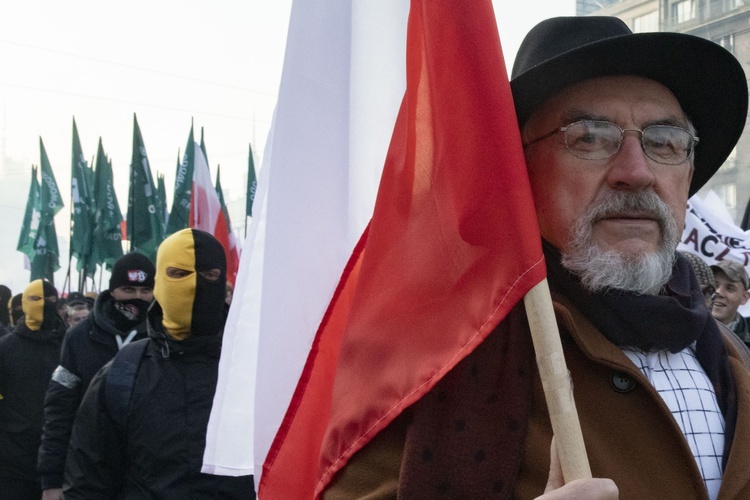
557,384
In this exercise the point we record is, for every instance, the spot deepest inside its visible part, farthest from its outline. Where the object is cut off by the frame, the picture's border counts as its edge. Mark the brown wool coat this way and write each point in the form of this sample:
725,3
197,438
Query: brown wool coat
630,436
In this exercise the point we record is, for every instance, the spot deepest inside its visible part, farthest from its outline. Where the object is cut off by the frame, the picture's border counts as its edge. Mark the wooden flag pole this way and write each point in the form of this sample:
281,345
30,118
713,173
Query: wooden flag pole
557,384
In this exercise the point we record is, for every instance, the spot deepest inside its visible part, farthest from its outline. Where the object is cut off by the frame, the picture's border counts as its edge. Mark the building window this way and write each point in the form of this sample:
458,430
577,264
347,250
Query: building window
647,22
683,11
728,194
727,42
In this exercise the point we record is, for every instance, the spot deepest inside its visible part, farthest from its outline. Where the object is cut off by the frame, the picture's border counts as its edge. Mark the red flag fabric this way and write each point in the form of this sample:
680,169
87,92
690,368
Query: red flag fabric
206,213
452,246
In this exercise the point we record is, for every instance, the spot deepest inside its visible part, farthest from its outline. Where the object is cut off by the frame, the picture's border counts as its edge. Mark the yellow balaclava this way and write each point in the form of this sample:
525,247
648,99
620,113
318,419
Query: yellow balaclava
36,308
191,305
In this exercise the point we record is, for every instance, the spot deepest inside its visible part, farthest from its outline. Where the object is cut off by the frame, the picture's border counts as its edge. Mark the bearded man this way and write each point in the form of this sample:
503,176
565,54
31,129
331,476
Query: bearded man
619,129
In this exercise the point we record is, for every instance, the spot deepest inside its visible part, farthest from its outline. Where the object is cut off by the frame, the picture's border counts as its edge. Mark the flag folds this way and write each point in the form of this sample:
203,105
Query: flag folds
452,246
145,225
107,237
179,215
30,225
46,252
206,211
82,211
252,183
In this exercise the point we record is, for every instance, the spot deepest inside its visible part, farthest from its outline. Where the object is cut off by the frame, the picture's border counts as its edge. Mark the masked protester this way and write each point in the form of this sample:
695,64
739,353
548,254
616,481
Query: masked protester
5,296
141,432
16,309
118,318
28,356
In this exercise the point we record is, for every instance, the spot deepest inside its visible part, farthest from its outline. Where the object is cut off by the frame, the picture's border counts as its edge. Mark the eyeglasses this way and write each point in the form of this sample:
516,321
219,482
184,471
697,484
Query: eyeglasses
599,140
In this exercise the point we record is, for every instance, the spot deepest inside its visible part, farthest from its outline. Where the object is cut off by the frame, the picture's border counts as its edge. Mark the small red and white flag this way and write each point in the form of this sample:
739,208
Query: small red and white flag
206,213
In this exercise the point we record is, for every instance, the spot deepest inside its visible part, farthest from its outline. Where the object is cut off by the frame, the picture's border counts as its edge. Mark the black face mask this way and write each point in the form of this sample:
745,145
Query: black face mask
51,317
130,312
16,314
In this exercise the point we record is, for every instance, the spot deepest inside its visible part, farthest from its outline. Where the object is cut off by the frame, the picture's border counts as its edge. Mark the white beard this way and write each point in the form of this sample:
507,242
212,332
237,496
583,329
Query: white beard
600,269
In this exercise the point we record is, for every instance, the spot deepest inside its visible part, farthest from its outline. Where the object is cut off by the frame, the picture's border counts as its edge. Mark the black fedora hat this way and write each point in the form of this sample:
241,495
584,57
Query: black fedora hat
706,79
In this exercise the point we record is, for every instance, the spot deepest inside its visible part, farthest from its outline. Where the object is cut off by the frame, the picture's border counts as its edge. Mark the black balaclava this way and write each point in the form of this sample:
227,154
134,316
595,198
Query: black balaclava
132,269
16,308
5,295
191,305
40,306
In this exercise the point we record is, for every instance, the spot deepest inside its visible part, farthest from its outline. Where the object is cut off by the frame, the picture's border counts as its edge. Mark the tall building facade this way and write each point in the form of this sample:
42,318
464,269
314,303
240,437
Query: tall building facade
726,22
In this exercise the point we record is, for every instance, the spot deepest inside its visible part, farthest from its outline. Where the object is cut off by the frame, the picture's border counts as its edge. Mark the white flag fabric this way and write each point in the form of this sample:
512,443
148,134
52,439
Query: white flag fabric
342,84
711,234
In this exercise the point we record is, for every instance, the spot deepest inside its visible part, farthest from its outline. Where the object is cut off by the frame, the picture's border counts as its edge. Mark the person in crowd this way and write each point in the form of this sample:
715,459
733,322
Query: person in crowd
28,356
16,309
5,296
732,285
230,293
619,129
90,298
118,318
77,307
704,275
141,432
62,309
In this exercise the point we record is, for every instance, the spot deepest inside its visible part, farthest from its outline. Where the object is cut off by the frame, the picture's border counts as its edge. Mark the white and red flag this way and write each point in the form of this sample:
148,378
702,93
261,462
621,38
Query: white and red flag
206,213
452,245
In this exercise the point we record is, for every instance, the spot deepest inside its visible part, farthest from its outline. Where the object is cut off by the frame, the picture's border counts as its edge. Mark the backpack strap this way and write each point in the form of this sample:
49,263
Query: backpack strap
119,382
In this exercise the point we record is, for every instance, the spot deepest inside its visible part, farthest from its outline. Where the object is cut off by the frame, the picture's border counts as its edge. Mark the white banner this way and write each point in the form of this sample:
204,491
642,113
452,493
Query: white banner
711,234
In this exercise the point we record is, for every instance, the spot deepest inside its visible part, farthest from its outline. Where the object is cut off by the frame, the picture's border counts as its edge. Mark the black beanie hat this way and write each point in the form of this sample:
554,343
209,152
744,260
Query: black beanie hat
132,269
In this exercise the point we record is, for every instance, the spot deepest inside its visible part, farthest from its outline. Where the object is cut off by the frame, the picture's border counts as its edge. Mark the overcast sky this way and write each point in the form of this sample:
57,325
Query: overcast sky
216,63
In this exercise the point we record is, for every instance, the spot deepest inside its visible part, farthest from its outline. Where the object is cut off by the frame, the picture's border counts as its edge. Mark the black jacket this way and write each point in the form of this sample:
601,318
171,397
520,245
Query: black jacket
160,452
86,348
27,360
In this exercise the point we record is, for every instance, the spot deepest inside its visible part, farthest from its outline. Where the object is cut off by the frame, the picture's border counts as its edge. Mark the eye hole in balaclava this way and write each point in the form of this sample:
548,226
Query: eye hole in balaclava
191,304
39,303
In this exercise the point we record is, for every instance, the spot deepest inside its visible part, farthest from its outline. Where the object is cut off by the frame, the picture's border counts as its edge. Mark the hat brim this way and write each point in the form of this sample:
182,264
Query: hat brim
706,79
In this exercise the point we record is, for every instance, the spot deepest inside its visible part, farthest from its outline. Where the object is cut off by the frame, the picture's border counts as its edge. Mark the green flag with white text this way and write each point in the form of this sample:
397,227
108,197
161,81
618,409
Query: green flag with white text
107,235
144,221
46,252
81,217
30,225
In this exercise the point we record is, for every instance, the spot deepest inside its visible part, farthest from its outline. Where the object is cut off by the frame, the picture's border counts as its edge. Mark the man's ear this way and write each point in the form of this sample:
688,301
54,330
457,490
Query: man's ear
745,297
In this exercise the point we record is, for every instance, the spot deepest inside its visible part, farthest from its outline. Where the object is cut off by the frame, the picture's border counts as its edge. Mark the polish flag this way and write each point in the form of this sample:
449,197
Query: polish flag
206,213
343,326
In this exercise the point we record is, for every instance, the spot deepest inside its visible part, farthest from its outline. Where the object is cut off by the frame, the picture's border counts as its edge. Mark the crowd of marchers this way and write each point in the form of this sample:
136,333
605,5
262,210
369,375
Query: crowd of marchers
108,395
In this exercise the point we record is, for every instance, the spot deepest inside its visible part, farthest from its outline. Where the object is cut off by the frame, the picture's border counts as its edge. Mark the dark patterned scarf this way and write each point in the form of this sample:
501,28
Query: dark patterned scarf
466,437
670,321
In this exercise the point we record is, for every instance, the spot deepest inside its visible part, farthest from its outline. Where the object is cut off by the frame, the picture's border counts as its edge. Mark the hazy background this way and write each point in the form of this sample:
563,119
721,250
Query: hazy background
216,63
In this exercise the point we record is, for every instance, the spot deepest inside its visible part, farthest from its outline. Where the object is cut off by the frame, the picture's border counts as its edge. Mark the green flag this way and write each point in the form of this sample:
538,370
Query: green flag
46,252
252,184
107,236
161,196
203,147
179,216
81,191
144,221
30,226
221,198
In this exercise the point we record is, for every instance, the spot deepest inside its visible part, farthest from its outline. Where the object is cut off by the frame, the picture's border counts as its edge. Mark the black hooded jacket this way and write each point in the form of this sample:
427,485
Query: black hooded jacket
87,347
160,452
27,360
